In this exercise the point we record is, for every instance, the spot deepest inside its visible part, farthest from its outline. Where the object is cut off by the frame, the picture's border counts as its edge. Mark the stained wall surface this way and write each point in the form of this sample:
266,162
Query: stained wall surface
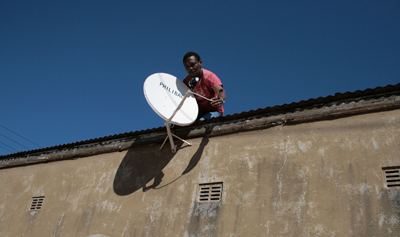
317,179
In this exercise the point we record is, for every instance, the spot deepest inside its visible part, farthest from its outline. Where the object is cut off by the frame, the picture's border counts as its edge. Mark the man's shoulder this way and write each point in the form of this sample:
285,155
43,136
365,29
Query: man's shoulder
208,72
209,75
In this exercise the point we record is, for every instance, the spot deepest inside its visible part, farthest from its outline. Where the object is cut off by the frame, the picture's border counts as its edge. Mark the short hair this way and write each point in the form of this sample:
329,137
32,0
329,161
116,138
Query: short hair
189,54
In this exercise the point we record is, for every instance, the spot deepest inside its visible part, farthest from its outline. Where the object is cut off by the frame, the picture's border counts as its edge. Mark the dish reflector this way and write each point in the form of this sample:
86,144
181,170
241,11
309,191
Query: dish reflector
164,93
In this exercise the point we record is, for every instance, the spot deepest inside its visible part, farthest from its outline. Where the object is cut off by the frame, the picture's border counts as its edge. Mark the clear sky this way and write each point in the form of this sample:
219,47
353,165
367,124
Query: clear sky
74,70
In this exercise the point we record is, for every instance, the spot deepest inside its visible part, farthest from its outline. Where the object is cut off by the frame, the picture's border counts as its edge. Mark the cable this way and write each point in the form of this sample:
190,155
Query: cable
21,136
6,149
15,141
9,146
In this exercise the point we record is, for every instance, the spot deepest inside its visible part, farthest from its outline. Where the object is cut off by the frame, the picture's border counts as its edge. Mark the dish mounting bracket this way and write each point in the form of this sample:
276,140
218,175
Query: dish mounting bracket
170,134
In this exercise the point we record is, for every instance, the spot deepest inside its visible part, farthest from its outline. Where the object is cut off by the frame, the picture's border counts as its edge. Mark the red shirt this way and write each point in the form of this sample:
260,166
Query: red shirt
205,88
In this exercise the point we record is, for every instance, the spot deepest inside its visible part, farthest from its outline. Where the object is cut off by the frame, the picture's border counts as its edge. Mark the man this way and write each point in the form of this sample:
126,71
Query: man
207,85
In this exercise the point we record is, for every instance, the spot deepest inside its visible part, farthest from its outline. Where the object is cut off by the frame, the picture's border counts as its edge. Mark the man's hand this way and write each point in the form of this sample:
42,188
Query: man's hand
217,102
220,99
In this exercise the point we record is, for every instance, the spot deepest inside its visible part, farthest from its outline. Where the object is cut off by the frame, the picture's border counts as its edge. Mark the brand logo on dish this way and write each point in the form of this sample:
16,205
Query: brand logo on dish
174,92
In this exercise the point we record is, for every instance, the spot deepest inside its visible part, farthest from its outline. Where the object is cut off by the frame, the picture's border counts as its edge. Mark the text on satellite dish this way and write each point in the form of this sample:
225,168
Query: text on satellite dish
176,93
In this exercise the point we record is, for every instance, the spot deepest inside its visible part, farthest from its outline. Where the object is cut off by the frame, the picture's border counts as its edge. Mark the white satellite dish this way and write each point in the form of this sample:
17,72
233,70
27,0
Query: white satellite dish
164,93
172,100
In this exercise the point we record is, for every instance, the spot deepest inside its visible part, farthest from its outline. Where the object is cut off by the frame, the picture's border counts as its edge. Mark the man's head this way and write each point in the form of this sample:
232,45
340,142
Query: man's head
188,54
193,63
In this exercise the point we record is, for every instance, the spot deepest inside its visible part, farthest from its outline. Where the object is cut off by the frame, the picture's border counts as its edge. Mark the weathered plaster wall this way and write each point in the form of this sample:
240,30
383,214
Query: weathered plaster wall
316,179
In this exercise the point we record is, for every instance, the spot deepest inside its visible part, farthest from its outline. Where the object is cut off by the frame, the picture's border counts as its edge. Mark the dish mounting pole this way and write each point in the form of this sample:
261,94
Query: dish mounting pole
170,134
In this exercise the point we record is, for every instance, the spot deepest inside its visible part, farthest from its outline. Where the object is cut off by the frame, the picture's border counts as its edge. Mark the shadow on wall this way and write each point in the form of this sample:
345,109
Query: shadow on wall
192,163
141,165
196,157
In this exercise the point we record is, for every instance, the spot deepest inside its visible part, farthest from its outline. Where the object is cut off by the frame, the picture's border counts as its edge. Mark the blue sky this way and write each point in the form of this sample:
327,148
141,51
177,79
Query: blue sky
74,70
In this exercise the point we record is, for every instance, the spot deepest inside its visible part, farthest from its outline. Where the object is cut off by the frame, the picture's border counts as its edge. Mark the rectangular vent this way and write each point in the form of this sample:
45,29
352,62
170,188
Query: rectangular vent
392,176
210,192
37,203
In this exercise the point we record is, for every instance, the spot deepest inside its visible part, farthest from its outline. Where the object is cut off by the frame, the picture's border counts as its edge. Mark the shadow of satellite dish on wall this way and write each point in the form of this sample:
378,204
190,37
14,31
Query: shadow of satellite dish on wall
140,166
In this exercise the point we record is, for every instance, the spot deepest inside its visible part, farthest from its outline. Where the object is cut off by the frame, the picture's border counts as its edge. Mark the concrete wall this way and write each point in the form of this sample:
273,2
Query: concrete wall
316,179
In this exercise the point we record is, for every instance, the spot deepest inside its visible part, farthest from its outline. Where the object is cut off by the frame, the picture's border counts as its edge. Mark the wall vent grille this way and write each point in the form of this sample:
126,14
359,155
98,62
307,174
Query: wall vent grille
392,176
210,192
37,203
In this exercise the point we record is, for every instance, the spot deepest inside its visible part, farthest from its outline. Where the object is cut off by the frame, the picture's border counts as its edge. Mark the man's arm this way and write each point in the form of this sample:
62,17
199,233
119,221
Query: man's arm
221,96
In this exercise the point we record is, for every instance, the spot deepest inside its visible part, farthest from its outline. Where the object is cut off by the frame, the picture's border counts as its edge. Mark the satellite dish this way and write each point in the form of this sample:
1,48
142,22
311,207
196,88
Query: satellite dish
164,93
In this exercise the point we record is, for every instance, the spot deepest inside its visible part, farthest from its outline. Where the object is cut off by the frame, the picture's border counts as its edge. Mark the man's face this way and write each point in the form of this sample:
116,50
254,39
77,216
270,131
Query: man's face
193,67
